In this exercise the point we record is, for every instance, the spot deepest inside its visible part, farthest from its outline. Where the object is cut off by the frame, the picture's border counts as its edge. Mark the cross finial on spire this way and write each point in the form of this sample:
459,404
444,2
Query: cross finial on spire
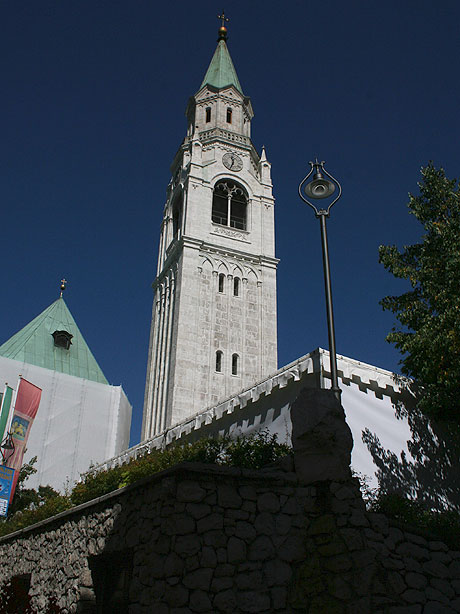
223,29
224,19
63,285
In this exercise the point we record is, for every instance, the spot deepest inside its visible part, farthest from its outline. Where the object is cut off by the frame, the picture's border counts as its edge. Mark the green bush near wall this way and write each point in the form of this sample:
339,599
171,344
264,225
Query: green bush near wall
250,452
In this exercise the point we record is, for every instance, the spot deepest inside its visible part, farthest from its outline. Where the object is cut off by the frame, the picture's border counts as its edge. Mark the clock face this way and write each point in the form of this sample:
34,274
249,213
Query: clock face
232,161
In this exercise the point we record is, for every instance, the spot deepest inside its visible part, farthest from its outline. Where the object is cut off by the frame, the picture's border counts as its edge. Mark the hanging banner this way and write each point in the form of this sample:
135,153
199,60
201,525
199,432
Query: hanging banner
5,410
6,483
25,410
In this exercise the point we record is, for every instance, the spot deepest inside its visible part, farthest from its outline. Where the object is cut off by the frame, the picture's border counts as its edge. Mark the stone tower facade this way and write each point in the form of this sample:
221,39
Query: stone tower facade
214,311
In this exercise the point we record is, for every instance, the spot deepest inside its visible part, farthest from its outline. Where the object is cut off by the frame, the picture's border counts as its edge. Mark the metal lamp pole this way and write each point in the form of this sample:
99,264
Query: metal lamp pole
320,188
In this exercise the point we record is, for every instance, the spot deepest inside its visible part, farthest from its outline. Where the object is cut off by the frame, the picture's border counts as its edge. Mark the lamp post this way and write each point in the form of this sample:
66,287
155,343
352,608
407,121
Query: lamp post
318,188
7,448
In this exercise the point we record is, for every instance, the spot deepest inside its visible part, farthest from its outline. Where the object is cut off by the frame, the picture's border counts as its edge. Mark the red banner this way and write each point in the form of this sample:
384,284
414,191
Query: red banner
25,410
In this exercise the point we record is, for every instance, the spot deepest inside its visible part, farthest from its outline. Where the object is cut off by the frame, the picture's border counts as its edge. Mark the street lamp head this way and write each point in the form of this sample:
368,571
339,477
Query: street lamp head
319,187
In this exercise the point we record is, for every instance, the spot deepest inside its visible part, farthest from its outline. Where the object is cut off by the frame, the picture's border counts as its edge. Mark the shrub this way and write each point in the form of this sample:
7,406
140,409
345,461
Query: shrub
445,525
252,451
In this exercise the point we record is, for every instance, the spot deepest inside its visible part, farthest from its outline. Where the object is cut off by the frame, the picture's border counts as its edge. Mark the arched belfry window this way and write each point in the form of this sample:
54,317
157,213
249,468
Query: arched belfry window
221,282
229,116
236,286
219,355
235,361
208,115
229,205
177,216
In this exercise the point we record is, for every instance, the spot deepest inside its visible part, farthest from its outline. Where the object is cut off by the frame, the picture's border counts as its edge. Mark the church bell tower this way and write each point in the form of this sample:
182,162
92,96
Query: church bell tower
213,327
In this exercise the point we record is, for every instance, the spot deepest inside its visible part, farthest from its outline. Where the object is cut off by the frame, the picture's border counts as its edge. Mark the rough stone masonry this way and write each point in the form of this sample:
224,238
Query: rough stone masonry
202,538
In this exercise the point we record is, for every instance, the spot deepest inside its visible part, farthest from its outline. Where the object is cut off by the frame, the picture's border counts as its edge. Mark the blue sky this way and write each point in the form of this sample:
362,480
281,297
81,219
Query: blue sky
92,110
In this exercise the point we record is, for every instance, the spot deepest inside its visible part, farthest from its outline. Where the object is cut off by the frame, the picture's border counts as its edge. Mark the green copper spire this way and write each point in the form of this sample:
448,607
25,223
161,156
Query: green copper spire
36,345
221,71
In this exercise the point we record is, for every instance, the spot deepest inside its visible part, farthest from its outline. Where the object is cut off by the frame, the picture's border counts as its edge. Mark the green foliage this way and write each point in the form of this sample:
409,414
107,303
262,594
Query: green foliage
250,452
253,452
29,498
445,525
429,313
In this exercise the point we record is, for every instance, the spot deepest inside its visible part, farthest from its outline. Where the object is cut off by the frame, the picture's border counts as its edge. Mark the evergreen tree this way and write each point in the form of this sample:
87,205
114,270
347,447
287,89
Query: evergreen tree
429,313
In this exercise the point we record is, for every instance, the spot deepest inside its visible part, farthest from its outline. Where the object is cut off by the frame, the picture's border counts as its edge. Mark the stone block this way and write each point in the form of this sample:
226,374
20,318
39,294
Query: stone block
339,588
178,524
352,538
415,580
198,579
198,510
216,539
443,586
86,594
282,523
268,502
220,584
396,582
208,557
250,580
176,596
277,572
414,596
224,571
236,550
436,569
248,492
253,601
433,607
245,530
228,497
438,546
200,602
433,594
192,562
225,601
261,549
173,565
333,547
292,549
210,523
265,523
414,609
323,524
321,439
189,491
187,545
279,598
443,557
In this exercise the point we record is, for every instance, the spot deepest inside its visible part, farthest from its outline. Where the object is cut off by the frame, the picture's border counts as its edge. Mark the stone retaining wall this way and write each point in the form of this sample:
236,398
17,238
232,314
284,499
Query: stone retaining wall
199,538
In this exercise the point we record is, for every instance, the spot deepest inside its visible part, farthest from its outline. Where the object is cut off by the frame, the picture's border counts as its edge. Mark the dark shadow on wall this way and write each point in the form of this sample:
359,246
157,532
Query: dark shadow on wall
432,475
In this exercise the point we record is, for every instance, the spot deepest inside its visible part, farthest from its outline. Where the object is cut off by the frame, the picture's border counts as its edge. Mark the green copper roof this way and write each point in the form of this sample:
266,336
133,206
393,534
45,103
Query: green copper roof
221,71
34,344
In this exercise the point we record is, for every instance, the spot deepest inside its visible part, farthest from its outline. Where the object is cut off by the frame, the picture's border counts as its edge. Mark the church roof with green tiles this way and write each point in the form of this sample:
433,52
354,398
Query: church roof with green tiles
35,344
221,71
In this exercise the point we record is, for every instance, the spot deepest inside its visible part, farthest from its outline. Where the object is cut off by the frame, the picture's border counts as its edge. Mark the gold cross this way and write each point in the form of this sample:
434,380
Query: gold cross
63,284
224,19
